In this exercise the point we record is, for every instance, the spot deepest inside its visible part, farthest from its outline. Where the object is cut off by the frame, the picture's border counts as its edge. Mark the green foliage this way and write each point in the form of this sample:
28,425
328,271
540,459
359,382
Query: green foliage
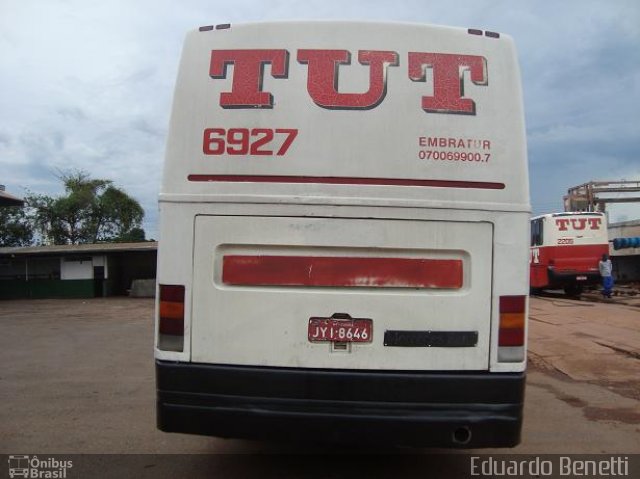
16,229
135,235
91,211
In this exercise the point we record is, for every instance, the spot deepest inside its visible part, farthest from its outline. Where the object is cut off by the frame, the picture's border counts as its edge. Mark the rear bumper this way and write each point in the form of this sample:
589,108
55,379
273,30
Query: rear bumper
423,409
562,278
365,407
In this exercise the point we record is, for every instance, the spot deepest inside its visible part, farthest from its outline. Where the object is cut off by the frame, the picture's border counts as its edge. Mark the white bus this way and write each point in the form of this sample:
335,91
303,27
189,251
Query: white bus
344,236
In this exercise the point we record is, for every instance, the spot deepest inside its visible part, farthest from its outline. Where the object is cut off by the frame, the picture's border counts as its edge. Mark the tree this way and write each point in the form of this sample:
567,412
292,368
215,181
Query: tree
16,229
91,211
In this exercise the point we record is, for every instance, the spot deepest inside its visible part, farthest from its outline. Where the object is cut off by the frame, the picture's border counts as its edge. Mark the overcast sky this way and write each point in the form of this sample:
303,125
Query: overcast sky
87,84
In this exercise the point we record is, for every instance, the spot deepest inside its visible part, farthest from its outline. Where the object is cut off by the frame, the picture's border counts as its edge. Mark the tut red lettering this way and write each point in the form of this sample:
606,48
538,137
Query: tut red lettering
323,77
578,223
248,72
594,223
448,81
562,224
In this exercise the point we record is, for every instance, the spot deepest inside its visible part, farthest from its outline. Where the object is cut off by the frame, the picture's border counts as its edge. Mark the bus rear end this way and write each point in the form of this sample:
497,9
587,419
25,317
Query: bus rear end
566,249
344,222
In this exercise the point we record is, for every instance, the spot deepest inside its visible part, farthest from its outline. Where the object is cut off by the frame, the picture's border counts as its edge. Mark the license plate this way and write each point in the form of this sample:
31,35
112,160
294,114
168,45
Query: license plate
581,278
340,330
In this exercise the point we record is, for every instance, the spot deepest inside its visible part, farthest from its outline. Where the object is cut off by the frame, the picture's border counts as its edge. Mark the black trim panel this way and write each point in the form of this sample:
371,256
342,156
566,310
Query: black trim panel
431,339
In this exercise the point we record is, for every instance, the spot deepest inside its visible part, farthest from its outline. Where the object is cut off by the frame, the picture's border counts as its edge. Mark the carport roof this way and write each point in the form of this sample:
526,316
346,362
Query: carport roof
100,248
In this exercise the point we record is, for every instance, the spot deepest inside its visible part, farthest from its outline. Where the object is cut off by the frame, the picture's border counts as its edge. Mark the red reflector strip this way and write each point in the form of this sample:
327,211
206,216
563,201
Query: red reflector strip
341,272
333,180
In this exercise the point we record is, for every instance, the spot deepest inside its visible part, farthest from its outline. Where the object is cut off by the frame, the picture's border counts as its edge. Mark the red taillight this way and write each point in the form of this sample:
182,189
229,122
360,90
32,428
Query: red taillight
512,320
171,311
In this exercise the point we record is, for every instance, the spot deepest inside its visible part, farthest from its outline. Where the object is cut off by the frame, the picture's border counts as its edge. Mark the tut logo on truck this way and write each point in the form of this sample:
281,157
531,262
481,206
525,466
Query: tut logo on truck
578,224
323,77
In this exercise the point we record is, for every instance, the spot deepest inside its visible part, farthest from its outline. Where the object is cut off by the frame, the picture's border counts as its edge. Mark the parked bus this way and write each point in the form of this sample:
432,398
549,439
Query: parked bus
344,222
566,249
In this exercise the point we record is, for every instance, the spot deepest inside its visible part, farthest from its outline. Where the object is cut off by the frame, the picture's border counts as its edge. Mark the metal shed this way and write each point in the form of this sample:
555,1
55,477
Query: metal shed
75,271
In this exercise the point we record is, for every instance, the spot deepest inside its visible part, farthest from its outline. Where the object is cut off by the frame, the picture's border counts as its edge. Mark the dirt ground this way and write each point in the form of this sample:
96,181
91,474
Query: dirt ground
590,341
78,377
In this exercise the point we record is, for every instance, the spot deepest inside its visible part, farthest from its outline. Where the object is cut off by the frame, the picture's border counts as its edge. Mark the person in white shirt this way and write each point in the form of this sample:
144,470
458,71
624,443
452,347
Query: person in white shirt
605,271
